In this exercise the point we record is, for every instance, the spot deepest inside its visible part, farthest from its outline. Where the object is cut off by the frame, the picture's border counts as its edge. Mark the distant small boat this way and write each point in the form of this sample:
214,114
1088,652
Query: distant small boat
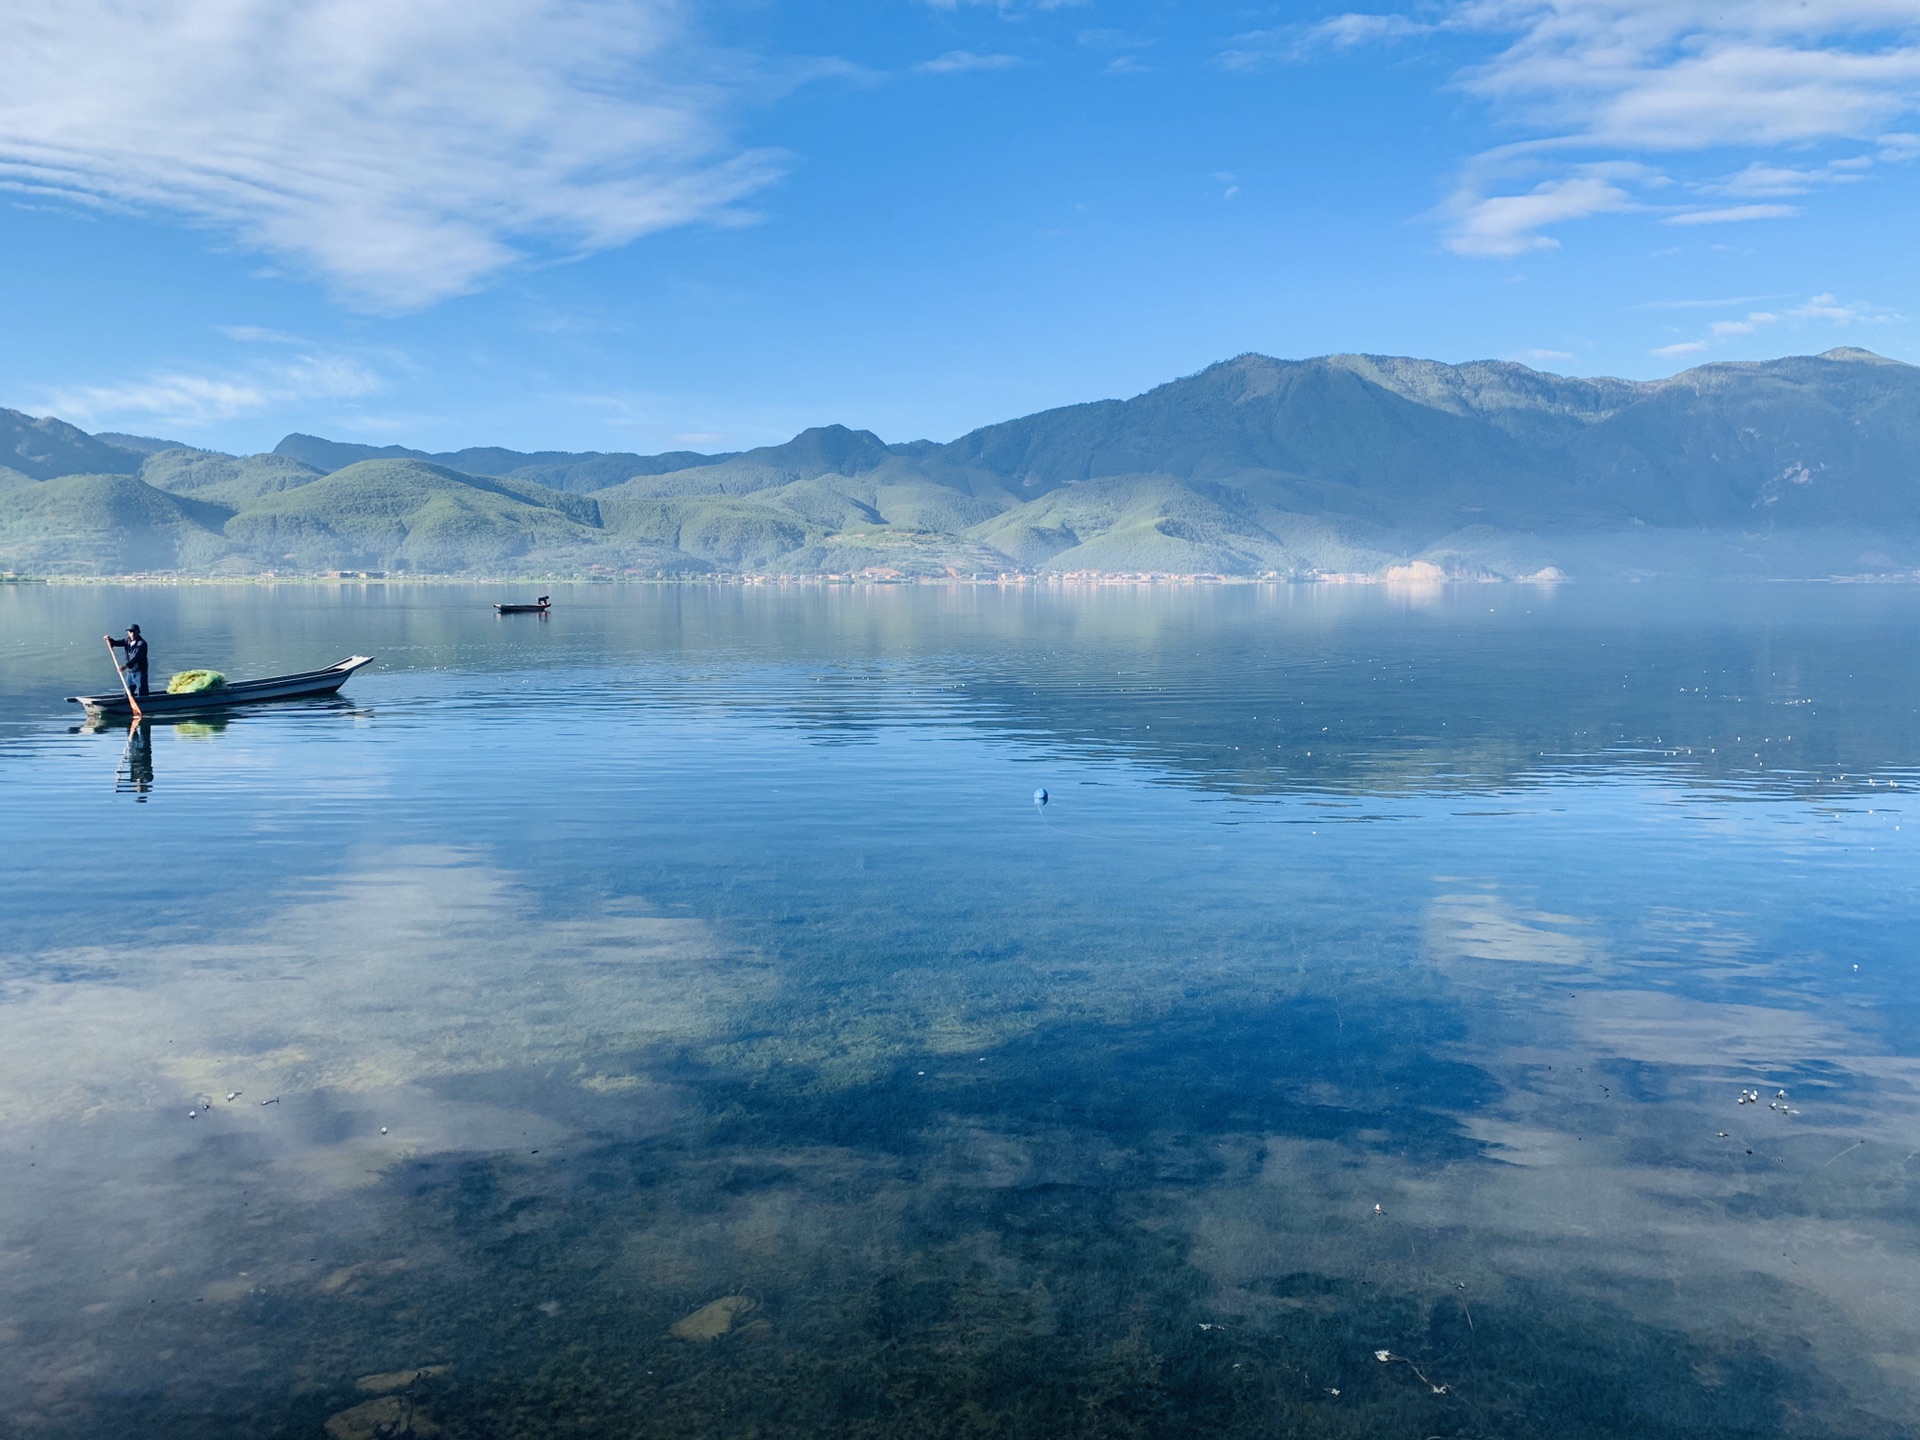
540,607
305,685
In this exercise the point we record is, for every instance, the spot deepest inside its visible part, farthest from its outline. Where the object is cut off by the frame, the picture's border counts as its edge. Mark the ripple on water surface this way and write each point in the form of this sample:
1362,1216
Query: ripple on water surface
676,1016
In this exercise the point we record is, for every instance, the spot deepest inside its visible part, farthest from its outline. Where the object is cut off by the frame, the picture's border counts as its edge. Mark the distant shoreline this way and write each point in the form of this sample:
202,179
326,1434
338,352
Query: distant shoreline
1006,582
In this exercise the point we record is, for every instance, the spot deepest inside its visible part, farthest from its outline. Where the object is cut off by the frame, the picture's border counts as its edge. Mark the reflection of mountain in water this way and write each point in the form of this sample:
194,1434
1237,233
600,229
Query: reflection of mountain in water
1462,689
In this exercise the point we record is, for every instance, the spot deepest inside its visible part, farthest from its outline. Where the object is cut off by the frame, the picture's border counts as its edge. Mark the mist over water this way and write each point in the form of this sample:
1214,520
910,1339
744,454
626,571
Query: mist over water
1382,975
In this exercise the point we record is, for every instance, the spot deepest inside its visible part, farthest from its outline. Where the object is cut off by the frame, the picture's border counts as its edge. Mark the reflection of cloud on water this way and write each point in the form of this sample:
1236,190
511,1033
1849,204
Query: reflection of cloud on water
425,993
1628,1169
423,966
1479,925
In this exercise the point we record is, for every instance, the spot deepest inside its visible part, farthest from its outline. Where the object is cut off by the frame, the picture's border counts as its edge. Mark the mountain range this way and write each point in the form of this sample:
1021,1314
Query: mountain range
1345,465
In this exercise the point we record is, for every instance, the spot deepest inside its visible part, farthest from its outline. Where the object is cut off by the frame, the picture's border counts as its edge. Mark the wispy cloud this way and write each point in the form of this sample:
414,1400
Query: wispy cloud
1009,8
1293,44
192,400
1818,310
960,62
1761,178
1547,357
1625,79
1755,321
403,152
1731,214
1725,302
1502,226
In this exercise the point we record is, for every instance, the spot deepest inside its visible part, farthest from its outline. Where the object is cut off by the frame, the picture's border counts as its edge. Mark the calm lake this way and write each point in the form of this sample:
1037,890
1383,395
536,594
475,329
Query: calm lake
678,1017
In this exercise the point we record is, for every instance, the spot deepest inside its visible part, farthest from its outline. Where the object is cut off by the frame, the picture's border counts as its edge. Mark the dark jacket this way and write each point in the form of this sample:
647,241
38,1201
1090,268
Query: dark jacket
136,648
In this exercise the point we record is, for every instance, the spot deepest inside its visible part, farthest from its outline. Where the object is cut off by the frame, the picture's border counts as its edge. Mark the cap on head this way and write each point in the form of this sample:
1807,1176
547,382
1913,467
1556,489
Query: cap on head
133,629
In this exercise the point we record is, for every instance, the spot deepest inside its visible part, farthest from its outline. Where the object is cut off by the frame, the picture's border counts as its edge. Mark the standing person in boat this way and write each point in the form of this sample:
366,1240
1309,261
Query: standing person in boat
135,665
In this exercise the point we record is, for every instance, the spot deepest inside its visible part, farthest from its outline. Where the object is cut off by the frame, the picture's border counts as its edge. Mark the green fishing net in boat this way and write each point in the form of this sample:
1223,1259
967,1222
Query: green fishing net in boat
195,682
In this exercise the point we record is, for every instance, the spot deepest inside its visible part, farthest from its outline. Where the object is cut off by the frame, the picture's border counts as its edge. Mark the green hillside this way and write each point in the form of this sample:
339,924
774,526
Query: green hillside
409,515
225,479
578,471
105,524
46,448
1346,464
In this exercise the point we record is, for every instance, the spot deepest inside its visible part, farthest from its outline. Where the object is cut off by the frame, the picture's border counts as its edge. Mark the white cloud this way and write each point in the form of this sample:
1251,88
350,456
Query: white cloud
1834,312
257,335
1617,78
192,401
1688,74
404,152
1548,357
1761,178
1291,44
1819,310
1722,303
1729,214
1506,225
1006,7
959,62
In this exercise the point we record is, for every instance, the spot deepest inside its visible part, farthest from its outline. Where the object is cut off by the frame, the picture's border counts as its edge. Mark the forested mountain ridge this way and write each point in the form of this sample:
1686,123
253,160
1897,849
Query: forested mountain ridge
1345,464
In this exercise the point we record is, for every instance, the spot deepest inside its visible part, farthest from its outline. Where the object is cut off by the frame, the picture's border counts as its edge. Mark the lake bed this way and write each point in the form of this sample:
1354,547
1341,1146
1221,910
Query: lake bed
1383,976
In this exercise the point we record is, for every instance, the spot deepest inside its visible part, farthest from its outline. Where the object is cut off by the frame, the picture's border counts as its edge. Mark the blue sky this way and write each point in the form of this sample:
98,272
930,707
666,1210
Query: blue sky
643,224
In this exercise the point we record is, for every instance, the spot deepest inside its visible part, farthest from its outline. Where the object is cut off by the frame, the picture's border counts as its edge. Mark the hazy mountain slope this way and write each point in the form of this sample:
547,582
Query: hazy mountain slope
46,448
145,444
825,450
411,515
225,479
1807,465
111,524
730,531
555,469
1811,441
1420,447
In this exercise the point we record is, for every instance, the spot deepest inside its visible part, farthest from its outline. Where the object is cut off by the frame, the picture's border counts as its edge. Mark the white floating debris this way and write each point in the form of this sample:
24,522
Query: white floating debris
383,1129
1383,1356
193,1114
1378,1211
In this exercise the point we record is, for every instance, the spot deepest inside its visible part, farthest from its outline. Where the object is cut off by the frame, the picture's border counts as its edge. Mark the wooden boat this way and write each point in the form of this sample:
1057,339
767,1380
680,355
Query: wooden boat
522,609
303,686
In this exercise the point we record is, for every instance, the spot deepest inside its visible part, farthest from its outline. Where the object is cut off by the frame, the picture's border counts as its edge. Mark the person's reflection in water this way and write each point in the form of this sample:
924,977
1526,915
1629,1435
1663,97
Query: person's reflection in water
137,765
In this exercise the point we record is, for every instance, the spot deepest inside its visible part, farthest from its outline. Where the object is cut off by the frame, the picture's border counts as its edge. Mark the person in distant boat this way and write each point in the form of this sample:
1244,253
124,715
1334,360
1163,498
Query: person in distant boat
542,601
135,665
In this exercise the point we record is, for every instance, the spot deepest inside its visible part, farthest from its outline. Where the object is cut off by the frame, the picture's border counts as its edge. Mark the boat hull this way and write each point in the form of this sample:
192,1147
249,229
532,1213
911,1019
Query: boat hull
304,686
521,609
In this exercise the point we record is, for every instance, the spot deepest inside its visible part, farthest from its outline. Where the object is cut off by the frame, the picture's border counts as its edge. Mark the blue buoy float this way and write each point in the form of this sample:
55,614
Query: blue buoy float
1040,796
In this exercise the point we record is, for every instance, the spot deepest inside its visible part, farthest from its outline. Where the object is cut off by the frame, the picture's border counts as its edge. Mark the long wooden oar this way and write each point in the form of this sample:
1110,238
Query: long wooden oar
125,688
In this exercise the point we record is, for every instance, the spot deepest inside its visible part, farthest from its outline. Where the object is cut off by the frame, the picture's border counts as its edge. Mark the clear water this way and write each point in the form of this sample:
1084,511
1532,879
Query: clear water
1380,977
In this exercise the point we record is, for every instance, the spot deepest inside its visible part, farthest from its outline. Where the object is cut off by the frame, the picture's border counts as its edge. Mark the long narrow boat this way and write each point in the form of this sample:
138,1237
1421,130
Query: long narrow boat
521,609
303,686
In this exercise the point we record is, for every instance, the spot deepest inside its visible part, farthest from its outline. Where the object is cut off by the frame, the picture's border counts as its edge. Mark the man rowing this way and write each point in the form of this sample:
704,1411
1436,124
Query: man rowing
135,665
